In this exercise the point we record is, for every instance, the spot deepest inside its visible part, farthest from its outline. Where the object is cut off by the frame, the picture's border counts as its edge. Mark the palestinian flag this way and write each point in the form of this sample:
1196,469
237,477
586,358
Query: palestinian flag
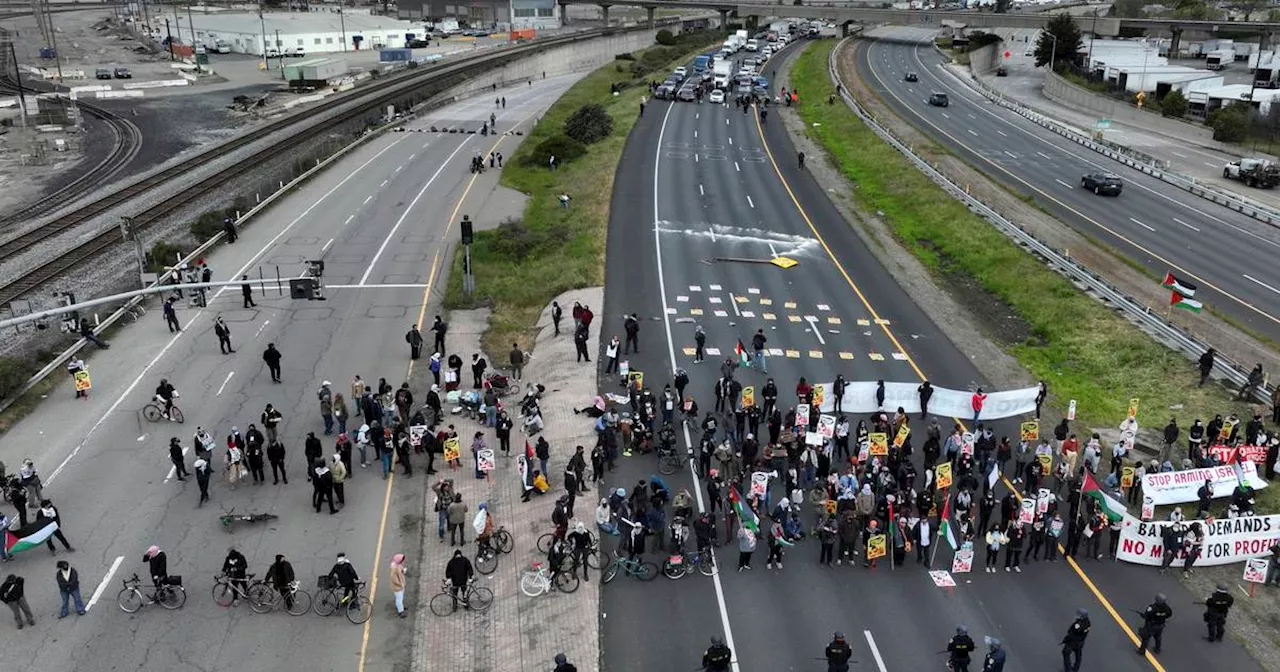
28,537
1111,508
1178,285
743,358
1185,303
745,515
944,529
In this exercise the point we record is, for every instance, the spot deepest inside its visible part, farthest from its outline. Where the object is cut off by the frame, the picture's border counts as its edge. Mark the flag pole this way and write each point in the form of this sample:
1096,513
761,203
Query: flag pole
893,521
945,499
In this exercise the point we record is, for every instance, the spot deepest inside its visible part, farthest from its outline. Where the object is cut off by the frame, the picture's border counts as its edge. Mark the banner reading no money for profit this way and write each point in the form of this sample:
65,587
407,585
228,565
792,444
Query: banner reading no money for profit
1227,540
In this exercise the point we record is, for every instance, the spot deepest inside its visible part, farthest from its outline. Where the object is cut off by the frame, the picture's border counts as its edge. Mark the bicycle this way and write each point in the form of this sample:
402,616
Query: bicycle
593,554
264,597
537,581
678,566
669,462
154,411
169,595
227,590
488,550
330,598
229,519
471,596
641,569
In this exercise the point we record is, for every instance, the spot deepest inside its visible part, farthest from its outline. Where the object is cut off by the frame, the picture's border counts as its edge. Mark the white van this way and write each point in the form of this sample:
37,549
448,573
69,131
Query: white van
753,45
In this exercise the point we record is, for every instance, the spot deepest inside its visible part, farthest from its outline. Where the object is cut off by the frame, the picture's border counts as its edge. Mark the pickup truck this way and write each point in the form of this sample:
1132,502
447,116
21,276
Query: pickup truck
1259,173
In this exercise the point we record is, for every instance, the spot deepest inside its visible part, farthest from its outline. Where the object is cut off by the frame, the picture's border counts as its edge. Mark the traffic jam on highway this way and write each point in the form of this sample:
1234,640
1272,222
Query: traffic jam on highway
712,75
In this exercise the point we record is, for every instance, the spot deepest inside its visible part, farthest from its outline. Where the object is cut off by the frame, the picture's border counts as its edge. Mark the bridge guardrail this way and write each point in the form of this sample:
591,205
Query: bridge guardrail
1132,308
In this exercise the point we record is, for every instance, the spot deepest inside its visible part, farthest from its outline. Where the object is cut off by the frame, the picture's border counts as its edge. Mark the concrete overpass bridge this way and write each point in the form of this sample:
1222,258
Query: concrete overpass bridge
874,13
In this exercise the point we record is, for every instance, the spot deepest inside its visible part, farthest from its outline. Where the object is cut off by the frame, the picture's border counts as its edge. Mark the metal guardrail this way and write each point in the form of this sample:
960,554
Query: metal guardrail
1132,308
1124,155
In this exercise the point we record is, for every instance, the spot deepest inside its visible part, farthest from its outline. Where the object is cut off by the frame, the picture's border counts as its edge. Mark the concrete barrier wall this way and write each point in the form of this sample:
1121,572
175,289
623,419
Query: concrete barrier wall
984,60
1083,100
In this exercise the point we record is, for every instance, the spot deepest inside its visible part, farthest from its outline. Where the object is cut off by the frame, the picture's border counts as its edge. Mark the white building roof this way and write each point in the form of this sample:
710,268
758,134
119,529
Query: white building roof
295,23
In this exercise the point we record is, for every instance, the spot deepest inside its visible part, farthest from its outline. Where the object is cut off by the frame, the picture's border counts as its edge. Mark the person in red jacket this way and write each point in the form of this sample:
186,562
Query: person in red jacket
979,398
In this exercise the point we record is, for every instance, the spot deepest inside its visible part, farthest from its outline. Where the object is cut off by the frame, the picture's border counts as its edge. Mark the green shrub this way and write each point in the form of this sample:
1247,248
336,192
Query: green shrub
665,37
13,374
563,147
163,254
624,56
589,124
514,241
1174,104
1229,123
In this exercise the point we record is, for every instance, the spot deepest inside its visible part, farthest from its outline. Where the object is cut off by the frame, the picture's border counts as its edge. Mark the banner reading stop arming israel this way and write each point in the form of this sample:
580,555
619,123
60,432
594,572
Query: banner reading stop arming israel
860,397
1227,540
1176,487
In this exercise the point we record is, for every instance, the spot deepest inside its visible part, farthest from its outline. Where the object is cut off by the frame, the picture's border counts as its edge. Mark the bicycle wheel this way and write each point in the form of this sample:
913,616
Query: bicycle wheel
223,594
359,610
674,572
610,573
544,543
531,584
152,412
176,414
301,603
502,541
130,600
646,571
486,561
567,583
595,558
481,599
173,597
442,604
667,466
262,598
326,602
707,564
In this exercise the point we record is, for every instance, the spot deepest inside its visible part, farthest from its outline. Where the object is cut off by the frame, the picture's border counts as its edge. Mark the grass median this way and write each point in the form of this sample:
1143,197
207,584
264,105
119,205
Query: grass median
521,265
1081,348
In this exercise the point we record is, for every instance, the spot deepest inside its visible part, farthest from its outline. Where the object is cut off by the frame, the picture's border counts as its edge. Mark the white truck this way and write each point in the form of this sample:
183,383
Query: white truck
721,74
1218,60
753,45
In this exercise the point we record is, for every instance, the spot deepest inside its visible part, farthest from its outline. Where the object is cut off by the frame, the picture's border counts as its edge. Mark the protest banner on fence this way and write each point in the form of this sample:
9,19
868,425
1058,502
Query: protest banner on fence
1227,540
1176,487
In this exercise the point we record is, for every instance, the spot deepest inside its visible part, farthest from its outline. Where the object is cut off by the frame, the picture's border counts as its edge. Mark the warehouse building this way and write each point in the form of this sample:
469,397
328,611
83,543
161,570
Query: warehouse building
492,14
302,33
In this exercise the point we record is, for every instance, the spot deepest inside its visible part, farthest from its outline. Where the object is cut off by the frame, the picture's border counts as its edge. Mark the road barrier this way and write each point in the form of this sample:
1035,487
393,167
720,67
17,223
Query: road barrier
1133,309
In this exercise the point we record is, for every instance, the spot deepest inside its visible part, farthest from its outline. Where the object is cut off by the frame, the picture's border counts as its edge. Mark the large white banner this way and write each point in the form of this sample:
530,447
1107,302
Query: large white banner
860,397
1175,487
1227,540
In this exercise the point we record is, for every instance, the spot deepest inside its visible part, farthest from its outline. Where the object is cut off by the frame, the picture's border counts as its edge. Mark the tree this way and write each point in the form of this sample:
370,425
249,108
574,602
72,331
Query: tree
665,38
1248,7
1196,10
1174,104
591,123
1230,123
1059,41
1128,9
1002,6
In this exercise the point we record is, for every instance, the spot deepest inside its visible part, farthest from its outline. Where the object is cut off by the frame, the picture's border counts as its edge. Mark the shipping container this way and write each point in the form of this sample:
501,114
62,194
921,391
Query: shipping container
293,71
395,55
325,70
523,34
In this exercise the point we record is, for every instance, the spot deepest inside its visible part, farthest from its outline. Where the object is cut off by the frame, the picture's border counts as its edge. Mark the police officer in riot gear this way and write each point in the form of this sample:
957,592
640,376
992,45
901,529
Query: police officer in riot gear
838,654
959,648
717,656
1073,642
1154,618
994,661
1215,612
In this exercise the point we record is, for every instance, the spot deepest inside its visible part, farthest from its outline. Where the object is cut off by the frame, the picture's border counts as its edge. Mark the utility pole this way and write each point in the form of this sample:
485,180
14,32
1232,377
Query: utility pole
192,25
342,20
177,21
168,38
130,234
22,102
266,62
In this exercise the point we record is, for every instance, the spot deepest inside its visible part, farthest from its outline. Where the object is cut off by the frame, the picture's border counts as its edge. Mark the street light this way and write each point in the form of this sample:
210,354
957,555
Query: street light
1054,52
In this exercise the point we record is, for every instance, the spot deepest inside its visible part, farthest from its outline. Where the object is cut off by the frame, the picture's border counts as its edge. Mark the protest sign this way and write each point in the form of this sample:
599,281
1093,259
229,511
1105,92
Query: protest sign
484,458
827,425
879,443
451,449
1176,487
962,562
1227,540
876,546
944,475
1029,431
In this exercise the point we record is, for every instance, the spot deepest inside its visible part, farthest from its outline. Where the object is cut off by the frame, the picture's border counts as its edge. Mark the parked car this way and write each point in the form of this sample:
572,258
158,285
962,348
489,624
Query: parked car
939,99
680,72
912,77
102,73
1253,172
1002,71
123,73
1102,183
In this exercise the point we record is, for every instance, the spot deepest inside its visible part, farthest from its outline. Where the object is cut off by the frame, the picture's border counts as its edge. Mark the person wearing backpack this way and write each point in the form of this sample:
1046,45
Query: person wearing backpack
12,593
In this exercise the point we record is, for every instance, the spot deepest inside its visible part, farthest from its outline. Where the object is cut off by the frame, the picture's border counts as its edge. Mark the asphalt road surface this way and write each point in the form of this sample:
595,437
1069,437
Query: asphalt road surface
381,219
698,182
1159,226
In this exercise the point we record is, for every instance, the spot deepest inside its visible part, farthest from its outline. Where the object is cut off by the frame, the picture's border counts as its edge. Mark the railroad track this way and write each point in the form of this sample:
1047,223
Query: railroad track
368,100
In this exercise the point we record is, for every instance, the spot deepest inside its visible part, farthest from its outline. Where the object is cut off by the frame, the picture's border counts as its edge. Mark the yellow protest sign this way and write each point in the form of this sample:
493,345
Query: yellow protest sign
1126,477
879,443
1046,463
636,378
901,437
749,396
877,547
82,381
831,507
1133,407
1030,430
451,449
818,396
1228,426
944,475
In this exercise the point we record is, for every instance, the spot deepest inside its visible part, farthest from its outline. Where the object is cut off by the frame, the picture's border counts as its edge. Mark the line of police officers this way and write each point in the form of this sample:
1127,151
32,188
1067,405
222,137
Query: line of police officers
961,646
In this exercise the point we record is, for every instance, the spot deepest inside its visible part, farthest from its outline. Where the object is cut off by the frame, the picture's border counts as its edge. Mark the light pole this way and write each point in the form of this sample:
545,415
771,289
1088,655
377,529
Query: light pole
342,21
1054,51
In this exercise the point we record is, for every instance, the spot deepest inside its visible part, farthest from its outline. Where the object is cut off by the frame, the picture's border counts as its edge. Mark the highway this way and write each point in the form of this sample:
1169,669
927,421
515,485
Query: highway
1158,226
381,219
699,182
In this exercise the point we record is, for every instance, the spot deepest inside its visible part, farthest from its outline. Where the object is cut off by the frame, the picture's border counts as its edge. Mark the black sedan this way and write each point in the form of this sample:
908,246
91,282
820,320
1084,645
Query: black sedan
1102,183
912,77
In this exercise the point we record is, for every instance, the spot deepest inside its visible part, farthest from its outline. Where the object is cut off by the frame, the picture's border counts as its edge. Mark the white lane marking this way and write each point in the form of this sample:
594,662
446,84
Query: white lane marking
1063,183
971,132
671,353
737,167
1002,133
773,251
946,115
223,386
726,122
1010,154
712,230
813,323
173,471
751,202
1211,165
102,585
1180,156
695,134
695,157
411,156
384,182
264,326
1141,224
971,116
326,245
1045,155
875,651
731,141
1186,225
424,145
701,191
368,198
1250,278
405,215
253,260
398,169
734,302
